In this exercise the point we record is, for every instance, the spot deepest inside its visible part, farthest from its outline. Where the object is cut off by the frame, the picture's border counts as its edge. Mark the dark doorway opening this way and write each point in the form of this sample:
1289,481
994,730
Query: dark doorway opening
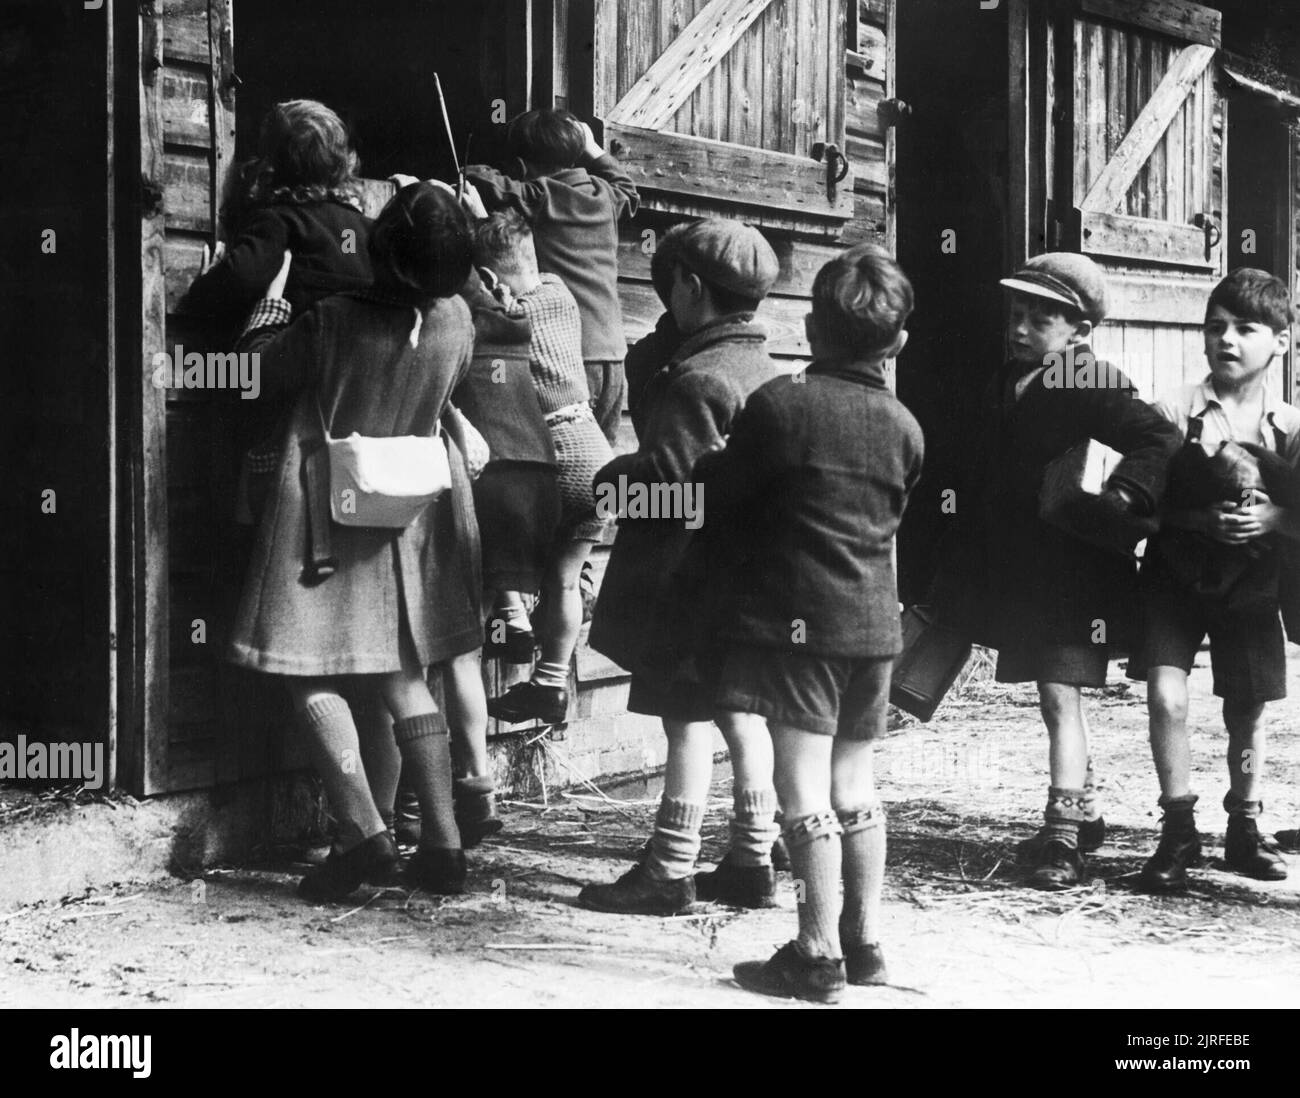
952,179
1259,186
374,65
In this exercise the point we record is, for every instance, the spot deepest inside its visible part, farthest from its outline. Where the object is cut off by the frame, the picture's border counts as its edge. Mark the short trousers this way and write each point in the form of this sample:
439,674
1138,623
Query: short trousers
1247,650
1067,664
582,452
518,509
675,701
834,695
608,384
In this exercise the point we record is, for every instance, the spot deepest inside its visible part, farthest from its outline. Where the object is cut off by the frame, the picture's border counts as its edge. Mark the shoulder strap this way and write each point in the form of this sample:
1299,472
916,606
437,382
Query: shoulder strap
320,417
1279,435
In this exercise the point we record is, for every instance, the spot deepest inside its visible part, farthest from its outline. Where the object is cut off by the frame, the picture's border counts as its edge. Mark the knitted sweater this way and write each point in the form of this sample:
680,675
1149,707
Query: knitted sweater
575,215
555,350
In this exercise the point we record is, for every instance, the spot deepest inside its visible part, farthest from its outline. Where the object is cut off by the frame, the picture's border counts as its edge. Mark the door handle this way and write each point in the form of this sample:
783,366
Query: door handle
1209,225
837,165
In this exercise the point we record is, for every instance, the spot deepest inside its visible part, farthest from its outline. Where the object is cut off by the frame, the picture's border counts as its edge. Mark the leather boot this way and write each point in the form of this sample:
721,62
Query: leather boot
1179,848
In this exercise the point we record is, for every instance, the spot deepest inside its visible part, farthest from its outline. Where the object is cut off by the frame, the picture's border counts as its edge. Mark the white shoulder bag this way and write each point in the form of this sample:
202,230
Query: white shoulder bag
384,482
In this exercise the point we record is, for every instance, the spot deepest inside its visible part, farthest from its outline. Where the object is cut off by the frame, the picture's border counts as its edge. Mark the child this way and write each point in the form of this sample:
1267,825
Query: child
1214,569
299,195
504,246
721,271
382,362
1054,606
574,195
803,506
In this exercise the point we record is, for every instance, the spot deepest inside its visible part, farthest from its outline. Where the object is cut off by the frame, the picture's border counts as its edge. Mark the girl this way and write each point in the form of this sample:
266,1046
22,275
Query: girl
299,194
379,363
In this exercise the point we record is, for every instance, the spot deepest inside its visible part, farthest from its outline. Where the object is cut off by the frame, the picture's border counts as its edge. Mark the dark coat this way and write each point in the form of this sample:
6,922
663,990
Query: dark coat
314,232
575,215
355,353
801,509
1025,582
689,407
645,358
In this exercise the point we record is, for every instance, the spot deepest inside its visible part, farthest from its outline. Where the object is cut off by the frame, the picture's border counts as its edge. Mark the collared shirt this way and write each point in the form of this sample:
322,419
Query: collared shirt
1201,400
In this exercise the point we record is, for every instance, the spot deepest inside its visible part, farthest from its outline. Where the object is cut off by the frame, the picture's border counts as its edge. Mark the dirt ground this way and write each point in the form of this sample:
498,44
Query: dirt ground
960,929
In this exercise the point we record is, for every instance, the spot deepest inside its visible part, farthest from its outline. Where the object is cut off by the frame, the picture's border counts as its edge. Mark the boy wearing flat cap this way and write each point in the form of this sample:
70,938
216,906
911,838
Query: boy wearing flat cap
805,501
720,271
1055,607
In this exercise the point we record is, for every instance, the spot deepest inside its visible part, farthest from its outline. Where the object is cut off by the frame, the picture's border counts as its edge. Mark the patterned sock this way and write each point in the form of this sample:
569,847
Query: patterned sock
675,844
863,844
1063,815
426,759
1091,802
551,673
336,756
815,858
753,827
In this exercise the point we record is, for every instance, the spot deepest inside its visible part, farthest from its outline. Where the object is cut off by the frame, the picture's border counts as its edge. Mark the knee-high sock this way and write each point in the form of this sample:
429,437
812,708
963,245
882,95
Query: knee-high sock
815,857
675,844
863,844
336,755
753,827
1063,815
426,759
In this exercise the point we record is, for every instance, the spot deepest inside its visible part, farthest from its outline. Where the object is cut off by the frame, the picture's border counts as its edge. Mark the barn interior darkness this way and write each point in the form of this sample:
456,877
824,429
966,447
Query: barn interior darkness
952,176
374,64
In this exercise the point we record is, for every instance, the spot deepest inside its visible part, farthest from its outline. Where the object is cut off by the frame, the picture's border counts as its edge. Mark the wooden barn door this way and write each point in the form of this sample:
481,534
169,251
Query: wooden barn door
1139,173
198,722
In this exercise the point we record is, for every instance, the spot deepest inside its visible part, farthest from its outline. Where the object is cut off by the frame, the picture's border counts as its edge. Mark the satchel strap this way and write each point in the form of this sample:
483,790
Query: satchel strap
1279,435
324,430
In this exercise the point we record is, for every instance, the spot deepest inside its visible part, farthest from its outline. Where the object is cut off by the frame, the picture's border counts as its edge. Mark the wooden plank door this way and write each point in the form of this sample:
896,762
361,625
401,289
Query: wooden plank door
721,102
1138,172
185,473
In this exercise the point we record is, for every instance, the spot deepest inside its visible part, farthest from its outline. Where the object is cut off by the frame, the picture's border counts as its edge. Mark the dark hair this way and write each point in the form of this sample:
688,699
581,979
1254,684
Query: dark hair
861,299
304,153
497,240
422,243
1254,295
548,137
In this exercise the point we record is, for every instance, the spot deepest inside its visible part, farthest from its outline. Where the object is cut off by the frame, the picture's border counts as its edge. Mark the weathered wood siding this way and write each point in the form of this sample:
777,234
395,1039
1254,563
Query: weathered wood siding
1157,300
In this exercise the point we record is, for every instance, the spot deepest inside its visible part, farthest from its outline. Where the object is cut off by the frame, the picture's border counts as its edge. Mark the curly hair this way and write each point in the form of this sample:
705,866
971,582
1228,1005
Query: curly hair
304,154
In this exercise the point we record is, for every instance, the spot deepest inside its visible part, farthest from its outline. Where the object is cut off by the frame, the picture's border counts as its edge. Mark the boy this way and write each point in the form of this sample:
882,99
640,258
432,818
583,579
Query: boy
1231,593
804,504
721,270
1055,607
574,194
504,243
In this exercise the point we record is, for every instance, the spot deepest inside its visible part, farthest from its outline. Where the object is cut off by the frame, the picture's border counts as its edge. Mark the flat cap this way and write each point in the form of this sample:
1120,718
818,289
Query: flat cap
727,254
1066,277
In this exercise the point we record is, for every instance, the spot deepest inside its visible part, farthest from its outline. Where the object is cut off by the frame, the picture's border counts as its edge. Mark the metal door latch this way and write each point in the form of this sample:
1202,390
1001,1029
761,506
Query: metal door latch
1208,223
837,166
